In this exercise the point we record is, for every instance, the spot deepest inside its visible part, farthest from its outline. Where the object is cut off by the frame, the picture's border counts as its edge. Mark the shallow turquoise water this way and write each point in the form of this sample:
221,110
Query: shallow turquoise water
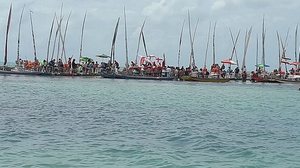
94,122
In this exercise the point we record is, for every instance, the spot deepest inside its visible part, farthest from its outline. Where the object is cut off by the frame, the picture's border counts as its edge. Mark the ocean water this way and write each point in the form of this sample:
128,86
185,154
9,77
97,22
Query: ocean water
94,122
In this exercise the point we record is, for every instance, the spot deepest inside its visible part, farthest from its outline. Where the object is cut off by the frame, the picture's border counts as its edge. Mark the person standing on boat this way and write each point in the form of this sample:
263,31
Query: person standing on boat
36,64
91,67
69,64
52,65
117,65
292,71
154,64
244,69
74,66
132,64
259,71
201,73
236,72
222,67
44,66
60,66
244,76
223,73
96,65
229,72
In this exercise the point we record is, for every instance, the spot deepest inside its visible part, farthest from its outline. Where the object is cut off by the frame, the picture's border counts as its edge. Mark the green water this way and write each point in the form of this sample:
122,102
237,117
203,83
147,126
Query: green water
94,122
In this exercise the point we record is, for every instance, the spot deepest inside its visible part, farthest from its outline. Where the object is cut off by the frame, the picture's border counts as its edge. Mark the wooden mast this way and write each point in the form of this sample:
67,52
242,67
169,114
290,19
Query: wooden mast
50,35
139,41
19,37
284,46
144,43
246,45
194,35
59,30
81,39
112,52
234,46
6,37
279,53
180,43
257,45
298,56
126,41
56,34
33,39
207,45
263,45
63,39
191,41
214,45
296,43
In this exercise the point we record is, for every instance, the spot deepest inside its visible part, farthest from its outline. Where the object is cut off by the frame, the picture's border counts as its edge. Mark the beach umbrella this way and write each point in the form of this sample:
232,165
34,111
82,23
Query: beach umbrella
262,66
228,61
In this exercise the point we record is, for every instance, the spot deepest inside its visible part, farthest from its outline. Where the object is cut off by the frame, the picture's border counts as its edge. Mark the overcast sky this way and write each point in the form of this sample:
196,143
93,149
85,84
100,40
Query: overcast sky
162,29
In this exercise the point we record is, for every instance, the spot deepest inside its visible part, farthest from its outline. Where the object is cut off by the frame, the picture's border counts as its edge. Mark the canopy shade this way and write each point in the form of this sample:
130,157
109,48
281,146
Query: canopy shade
262,65
295,63
103,56
228,61
284,61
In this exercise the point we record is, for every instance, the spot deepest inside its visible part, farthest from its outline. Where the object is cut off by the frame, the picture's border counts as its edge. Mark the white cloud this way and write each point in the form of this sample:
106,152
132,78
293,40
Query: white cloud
218,4
158,10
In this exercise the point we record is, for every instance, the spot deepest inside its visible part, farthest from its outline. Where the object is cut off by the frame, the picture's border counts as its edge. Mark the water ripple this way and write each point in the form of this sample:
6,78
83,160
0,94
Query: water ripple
92,122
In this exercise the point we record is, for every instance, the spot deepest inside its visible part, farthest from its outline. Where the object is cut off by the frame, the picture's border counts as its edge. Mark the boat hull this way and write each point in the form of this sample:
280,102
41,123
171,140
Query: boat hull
193,79
122,76
29,73
290,81
36,73
266,81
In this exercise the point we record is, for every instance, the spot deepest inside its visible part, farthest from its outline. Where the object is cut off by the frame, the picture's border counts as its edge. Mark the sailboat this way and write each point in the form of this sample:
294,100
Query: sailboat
133,72
16,70
293,76
81,70
233,53
261,76
195,76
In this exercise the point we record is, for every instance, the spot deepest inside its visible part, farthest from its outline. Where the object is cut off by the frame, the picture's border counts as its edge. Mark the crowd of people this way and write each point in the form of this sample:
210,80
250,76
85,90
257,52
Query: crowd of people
259,73
88,67
159,69
147,68
216,71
